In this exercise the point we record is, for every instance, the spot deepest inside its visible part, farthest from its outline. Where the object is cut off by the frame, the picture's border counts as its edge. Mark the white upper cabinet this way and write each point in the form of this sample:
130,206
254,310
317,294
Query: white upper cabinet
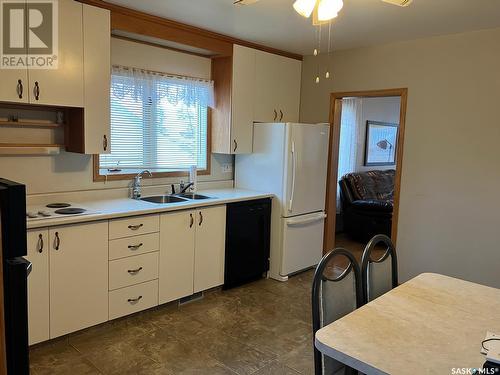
97,79
267,87
289,89
38,286
14,85
252,86
62,86
277,88
242,103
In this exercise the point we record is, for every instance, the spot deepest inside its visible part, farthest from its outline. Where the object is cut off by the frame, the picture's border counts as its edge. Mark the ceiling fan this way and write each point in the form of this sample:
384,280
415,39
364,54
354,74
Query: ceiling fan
322,10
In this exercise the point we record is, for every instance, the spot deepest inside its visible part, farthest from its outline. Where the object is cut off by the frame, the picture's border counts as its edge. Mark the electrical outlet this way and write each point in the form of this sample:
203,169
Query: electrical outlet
227,168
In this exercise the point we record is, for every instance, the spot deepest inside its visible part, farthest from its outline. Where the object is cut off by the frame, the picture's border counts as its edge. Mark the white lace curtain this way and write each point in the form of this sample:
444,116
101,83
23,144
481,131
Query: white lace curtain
137,82
350,123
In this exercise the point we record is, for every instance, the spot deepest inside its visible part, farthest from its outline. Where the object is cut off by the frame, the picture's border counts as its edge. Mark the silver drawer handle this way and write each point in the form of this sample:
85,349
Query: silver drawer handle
134,300
133,272
135,227
134,247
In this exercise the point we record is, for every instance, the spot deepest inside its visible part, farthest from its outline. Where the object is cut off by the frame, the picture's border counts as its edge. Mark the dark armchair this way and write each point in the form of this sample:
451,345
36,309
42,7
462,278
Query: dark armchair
367,203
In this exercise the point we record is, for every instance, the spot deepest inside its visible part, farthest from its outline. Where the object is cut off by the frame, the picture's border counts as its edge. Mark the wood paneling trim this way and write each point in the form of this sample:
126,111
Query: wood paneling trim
113,36
332,177
222,68
134,21
332,183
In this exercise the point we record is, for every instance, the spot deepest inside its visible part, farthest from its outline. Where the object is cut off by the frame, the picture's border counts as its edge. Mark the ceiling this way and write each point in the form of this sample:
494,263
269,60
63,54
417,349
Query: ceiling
361,23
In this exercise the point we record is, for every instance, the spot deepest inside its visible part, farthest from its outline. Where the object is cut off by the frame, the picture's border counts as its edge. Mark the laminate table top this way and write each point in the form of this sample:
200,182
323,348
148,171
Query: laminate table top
432,324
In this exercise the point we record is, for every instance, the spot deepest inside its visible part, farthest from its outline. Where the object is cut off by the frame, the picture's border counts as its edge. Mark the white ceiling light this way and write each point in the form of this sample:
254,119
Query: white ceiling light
329,9
304,7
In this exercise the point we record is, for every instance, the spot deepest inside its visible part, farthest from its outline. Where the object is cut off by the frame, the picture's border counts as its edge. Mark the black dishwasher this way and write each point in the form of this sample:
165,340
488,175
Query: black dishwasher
248,236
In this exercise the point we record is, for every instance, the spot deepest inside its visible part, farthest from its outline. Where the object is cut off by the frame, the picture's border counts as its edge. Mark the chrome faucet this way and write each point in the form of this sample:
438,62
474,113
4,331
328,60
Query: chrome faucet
185,187
136,184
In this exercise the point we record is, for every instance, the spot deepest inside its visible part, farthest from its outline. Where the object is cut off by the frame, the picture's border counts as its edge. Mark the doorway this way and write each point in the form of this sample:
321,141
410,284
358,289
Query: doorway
378,144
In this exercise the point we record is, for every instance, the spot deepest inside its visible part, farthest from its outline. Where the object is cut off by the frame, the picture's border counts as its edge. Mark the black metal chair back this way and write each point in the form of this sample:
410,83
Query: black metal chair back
379,275
332,298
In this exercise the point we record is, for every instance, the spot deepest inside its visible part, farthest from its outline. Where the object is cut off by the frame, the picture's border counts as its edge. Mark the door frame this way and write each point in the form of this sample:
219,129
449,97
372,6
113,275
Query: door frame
333,158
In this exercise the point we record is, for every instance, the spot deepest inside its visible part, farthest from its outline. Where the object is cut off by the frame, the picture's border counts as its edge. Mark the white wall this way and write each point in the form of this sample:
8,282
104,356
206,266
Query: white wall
451,176
71,172
375,109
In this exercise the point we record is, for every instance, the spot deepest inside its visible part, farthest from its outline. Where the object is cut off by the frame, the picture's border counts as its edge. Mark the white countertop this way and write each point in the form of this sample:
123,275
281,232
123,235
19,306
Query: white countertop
122,207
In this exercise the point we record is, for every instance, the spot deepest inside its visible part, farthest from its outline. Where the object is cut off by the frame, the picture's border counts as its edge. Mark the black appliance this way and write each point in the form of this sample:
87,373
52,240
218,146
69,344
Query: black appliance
15,275
248,236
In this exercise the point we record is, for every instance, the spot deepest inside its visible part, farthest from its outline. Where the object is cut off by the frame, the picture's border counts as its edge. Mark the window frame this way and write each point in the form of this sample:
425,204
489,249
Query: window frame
128,176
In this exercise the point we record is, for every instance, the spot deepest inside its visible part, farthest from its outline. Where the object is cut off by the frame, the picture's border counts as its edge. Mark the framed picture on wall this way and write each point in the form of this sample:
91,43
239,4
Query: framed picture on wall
381,143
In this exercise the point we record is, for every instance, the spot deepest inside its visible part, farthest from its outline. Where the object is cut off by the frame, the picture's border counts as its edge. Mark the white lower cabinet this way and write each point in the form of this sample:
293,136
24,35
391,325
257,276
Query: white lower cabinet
177,232
38,285
133,270
209,248
78,277
132,299
191,252
86,274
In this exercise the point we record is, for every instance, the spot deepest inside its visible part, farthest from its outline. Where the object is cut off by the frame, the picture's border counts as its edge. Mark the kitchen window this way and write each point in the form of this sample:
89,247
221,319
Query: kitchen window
158,122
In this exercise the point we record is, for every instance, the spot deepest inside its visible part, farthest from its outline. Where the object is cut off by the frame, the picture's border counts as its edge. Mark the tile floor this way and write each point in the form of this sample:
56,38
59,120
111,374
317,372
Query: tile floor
262,328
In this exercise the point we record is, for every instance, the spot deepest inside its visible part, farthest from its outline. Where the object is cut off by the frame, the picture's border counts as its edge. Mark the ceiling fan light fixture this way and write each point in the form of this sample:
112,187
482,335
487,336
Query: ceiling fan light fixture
304,7
329,9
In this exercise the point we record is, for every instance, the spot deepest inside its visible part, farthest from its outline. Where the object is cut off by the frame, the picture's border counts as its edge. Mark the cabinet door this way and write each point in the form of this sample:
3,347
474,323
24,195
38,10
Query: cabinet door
209,248
63,86
267,79
78,277
97,79
243,94
14,85
38,286
289,86
177,231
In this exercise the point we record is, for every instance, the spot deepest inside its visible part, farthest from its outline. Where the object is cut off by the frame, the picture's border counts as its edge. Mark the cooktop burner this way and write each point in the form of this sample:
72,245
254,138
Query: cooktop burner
70,211
58,205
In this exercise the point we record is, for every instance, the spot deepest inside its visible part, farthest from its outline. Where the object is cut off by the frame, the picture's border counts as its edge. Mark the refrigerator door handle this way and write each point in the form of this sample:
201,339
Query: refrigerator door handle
294,171
307,220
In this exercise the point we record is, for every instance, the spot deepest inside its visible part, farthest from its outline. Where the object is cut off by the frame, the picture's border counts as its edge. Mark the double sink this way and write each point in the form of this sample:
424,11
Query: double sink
164,199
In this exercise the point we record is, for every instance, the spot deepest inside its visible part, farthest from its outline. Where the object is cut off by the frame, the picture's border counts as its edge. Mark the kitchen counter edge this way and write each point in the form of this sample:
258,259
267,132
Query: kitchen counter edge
127,207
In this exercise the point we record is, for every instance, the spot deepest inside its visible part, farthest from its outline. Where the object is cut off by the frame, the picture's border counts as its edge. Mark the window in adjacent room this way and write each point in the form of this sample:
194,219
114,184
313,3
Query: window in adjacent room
158,122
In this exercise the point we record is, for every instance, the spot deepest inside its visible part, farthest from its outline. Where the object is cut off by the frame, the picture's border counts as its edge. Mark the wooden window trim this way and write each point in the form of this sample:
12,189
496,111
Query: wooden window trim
128,176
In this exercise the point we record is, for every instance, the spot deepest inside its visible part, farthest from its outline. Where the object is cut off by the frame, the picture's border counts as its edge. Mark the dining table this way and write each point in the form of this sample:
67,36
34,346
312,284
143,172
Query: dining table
431,324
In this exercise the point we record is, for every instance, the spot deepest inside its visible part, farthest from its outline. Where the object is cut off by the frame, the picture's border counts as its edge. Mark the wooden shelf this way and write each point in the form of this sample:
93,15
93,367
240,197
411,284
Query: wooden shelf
30,124
30,149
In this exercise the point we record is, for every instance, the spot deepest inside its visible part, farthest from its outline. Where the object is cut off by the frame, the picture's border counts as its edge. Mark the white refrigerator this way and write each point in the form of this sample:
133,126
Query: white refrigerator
290,160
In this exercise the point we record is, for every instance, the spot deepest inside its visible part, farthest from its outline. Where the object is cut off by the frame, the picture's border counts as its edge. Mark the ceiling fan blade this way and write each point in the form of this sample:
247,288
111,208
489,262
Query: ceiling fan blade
244,2
401,3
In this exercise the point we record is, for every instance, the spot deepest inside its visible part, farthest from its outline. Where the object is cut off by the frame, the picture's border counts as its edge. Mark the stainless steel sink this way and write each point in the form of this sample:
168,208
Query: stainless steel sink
162,199
193,196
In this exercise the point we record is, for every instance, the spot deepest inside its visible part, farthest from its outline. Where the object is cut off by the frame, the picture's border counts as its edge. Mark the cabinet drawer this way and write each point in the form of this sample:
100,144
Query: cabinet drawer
133,270
128,246
133,226
132,299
